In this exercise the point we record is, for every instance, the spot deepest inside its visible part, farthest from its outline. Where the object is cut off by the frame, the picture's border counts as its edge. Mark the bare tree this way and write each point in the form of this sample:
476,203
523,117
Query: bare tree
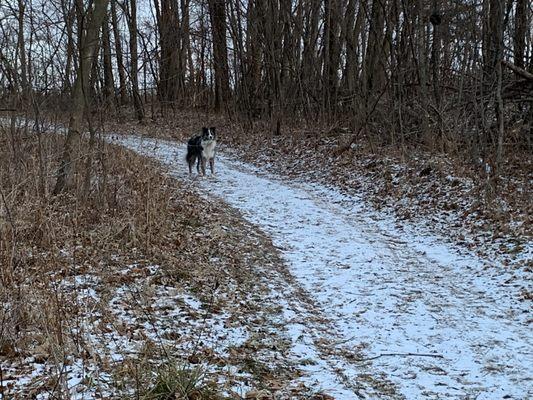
217,12
71,152
134,60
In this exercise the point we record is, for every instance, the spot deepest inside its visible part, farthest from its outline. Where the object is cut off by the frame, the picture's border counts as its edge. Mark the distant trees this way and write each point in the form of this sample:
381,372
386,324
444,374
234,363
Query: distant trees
444,74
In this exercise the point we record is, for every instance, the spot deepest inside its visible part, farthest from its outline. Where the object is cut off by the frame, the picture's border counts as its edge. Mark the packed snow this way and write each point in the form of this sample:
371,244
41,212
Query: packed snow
405,314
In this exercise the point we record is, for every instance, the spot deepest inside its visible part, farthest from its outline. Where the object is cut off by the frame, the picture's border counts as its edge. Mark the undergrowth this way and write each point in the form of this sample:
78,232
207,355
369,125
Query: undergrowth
129,215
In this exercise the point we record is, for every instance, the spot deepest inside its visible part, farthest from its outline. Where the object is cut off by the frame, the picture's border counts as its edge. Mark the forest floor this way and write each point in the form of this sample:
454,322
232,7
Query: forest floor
297,278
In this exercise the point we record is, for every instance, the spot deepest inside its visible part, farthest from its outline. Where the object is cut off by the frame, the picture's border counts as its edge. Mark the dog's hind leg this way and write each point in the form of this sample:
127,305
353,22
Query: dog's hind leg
190,162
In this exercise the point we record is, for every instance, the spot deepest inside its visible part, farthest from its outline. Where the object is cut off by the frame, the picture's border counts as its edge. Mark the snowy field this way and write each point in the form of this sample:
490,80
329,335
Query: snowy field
396,310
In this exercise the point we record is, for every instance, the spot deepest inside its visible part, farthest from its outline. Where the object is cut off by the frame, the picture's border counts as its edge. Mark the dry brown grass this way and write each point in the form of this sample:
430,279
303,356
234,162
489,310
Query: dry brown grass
46,239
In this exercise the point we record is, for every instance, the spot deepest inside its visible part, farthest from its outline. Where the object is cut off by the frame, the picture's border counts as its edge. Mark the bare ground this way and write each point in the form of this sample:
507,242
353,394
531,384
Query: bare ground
205,292
396,313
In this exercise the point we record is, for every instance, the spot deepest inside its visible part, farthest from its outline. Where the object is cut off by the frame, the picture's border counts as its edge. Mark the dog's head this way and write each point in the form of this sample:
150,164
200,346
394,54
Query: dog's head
208,134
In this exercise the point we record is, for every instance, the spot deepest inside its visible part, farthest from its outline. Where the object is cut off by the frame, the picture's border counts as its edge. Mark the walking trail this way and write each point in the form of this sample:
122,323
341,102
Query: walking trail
390,311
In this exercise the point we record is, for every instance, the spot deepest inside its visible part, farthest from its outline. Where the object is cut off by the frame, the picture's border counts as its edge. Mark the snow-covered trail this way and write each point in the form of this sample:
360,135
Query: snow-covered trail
455,328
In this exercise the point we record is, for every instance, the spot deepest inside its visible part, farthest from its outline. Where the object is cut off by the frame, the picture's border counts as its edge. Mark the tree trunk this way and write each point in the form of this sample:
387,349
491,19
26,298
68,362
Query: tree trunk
134,62
496,56
170,53
374,52
435,61
109,86
123,93
331,53
71,54
520,32
217,12
71,150
435,52
253,58
186,54
22,50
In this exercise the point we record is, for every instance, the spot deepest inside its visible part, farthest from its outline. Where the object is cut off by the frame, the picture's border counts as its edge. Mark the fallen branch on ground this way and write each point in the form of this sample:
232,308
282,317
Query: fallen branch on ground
401,355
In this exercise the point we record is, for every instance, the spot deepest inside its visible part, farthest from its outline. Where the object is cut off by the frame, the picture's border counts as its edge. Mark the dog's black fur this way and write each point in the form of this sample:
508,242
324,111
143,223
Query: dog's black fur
201,149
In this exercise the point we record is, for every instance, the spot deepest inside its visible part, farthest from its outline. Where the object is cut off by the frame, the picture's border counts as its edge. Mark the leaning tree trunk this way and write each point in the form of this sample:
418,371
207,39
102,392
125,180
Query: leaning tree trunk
71,150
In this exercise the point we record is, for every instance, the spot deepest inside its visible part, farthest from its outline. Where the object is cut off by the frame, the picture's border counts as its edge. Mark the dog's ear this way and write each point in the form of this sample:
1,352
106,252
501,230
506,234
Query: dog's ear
205,130
212,129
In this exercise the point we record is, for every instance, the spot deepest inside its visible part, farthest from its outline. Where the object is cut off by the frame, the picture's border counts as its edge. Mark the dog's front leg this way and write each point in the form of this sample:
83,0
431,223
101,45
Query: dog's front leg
212,165
203,165
198,164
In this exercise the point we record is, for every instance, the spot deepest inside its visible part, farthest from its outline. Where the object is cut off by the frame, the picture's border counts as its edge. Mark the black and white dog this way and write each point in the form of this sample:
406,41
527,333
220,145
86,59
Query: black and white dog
201,149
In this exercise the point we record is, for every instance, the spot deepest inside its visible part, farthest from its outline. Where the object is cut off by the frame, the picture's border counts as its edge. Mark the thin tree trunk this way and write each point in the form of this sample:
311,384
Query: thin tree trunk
123,94
497,28
435,60
71,54
22,50
520,32
134,62
109,86
71,150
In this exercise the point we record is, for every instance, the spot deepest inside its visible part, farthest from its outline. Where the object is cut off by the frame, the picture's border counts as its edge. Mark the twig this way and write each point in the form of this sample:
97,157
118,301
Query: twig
401,355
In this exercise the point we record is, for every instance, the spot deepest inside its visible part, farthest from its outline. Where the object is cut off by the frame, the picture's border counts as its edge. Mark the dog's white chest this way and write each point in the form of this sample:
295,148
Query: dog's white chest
208,151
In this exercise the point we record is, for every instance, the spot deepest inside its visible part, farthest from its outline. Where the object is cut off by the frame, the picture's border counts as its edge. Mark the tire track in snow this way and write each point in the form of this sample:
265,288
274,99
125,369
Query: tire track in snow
383,289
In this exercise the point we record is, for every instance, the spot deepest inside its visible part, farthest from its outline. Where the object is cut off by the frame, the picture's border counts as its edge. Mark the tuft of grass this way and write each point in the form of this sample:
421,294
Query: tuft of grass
178,382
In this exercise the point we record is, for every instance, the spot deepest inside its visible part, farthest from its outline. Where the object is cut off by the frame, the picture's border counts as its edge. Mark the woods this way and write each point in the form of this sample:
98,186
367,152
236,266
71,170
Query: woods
372,199
441,74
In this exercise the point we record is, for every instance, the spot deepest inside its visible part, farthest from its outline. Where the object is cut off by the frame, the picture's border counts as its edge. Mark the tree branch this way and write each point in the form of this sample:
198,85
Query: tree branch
517,70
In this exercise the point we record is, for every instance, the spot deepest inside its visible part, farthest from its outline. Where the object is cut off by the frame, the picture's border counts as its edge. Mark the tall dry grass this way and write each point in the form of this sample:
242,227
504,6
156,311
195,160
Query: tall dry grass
122,218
